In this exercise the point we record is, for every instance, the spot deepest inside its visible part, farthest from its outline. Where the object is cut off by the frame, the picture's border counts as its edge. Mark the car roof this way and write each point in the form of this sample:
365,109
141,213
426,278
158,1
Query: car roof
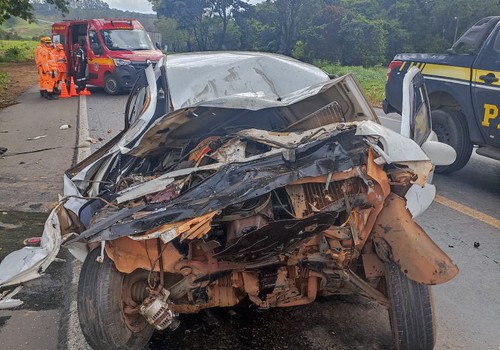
247,77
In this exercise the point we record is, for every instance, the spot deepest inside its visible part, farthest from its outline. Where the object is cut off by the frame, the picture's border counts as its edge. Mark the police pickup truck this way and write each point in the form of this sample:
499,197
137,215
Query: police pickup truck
464,91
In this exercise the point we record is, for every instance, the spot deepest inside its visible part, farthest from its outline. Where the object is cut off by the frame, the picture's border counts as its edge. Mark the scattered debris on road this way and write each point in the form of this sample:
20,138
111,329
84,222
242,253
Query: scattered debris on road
30,152
36,138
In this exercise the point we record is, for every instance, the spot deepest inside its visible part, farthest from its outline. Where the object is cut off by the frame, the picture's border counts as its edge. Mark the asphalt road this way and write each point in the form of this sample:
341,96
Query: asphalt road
467,308
466,212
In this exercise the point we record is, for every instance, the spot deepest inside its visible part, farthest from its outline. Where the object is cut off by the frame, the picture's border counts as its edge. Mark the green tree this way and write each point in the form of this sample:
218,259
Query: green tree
225,10
298,51
24,8
176,40
207,21
364,41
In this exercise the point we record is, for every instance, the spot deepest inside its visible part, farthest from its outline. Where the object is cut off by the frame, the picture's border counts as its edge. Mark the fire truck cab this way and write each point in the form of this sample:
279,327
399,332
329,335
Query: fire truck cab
116,50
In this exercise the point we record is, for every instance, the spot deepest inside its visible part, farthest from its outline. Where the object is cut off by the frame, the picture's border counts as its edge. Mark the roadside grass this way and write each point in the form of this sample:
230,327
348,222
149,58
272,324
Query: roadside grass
372,79
3,80
17,50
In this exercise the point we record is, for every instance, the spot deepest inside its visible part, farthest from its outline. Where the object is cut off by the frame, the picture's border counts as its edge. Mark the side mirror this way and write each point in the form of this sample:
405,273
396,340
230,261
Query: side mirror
439,153
158,45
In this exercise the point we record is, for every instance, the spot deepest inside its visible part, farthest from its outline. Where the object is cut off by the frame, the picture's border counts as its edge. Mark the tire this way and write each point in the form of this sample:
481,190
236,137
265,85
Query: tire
111,85
100,308
411,311
451,128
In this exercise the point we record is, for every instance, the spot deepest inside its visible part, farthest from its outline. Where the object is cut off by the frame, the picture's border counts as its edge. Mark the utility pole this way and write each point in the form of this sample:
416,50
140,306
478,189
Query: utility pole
456,29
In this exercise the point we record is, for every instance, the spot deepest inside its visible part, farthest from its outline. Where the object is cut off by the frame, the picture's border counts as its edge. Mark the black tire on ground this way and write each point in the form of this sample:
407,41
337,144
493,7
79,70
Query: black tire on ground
100,308
451,128
411,311
111,85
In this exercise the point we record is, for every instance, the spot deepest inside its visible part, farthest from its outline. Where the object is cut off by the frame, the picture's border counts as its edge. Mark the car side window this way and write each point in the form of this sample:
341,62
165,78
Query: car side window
95,44
489,57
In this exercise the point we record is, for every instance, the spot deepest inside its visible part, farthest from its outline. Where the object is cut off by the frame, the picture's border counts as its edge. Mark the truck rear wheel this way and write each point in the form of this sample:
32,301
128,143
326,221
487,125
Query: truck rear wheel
451,128
411,311
111,85
104,296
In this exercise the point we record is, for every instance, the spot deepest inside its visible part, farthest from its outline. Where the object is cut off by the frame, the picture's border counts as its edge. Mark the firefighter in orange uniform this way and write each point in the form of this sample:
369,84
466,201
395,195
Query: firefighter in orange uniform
48,68
38,61
62,62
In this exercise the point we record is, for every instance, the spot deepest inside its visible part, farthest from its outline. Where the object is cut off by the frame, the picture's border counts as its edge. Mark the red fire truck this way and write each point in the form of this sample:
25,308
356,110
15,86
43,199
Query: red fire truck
116,50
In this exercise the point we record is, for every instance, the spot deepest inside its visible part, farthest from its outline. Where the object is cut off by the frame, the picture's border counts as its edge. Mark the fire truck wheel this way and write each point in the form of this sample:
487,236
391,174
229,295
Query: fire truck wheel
111,85
105,304
411,311
451,128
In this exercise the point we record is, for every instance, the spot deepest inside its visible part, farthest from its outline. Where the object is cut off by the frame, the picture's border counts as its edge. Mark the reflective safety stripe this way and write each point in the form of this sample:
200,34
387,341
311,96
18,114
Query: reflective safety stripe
454,74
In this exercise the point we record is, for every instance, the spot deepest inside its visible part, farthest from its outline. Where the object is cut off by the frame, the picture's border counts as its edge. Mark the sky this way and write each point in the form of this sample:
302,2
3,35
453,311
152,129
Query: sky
131,5
140,5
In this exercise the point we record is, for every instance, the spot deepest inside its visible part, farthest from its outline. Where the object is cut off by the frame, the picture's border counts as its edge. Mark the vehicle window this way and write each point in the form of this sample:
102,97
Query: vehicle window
474,37
58,38
117,40
95,44
421,124
496,44
489,57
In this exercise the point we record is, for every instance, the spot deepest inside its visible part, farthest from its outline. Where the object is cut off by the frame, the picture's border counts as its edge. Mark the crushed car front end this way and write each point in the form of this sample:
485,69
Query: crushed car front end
243,176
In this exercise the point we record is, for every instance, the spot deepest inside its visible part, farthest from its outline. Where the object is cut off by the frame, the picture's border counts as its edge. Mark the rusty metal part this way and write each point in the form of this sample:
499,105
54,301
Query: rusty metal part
160,261
410,247
331,113
310,198
186,229
377,173
276,238
312,291
129,255
223,296
421,169
367,290
337,176
182,287
219,296
373,266
237,228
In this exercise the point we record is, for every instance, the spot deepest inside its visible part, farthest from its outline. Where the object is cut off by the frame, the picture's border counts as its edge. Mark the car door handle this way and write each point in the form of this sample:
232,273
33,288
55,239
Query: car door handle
489,78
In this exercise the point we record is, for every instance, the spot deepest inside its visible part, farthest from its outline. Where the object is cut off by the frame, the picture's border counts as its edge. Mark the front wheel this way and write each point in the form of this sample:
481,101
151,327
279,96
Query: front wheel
111,85
104,296
411,311
451,128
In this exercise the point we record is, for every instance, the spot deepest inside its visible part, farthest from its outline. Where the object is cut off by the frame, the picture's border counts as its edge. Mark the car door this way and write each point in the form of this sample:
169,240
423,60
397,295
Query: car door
486,89
94,51
415,114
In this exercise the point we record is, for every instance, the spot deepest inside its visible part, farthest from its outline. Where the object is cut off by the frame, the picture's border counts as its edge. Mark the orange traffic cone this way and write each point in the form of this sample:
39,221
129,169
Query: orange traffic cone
72,88
85,92
64,90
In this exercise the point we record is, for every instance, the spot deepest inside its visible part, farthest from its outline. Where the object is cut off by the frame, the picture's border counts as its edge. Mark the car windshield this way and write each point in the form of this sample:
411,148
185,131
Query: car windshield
117,40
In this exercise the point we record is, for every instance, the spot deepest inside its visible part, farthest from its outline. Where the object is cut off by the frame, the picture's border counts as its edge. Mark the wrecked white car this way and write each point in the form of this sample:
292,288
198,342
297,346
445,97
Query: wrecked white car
248,176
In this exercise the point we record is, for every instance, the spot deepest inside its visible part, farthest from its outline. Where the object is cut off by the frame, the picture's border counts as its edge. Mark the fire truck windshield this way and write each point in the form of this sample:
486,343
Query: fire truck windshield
126,40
